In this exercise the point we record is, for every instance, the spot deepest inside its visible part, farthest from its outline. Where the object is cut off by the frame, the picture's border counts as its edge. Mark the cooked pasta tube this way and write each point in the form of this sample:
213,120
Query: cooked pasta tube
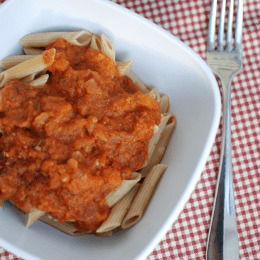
160,148
33,76
143,196
143,88
29,78
107,47
153,93
95,42
118,211
104,234
164,103
1,203
39,81
33,215
67,227
114,196
80,38
32,51
124,67
14,60
28,67
157,134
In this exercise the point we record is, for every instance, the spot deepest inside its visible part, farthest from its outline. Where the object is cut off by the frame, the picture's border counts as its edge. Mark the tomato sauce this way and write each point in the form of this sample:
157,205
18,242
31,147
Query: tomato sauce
67,144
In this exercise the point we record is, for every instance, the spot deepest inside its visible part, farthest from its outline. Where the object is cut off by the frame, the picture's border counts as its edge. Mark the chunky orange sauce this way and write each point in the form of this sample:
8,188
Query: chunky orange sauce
67,144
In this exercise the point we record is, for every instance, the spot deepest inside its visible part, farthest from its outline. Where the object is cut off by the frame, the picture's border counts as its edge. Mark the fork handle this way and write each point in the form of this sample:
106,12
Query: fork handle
222,241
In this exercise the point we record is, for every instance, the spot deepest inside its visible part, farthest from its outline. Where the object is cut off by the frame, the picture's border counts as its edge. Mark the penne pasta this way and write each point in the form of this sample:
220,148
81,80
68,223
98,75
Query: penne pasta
29,78
118,211
143,196
95,42
28,67
104,234
164,103
32,51
143,88
124,67
157,134
153,93
67,227
80,38
107,47
160,148
33,215
114,196
14,60
1,203
40,81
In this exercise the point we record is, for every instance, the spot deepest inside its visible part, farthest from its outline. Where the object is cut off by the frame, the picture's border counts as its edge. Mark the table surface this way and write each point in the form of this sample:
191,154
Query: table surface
186,239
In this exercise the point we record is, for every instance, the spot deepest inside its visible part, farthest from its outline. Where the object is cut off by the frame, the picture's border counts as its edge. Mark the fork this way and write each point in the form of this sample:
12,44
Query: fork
225,60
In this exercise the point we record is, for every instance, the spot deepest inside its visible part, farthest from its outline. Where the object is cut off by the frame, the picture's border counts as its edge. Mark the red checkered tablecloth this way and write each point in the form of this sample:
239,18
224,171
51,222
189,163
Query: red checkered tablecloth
186,239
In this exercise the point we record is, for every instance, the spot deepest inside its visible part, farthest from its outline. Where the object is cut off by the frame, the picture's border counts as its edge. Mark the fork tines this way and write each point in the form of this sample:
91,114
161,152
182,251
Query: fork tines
238,31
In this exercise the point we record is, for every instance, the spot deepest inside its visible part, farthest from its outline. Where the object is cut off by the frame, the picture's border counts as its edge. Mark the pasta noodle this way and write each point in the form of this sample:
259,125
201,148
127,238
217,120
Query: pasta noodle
105,234
164,103
1,203
161,147
107,47
157,134
114,196
124,67
14,60
29,78
33,215
95,43
67,227
143,196
39,81
118,211
79,38
25,68
143,88
153,93
32,51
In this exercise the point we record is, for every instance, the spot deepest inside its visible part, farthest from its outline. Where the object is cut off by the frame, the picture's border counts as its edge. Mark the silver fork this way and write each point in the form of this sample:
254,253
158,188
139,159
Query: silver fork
225,60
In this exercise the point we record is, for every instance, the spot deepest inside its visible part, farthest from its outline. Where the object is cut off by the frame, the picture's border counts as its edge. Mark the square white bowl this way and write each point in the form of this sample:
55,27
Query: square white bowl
161,61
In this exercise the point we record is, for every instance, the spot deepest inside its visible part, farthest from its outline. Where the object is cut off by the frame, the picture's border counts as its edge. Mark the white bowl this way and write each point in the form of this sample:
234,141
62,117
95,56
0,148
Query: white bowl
161,61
